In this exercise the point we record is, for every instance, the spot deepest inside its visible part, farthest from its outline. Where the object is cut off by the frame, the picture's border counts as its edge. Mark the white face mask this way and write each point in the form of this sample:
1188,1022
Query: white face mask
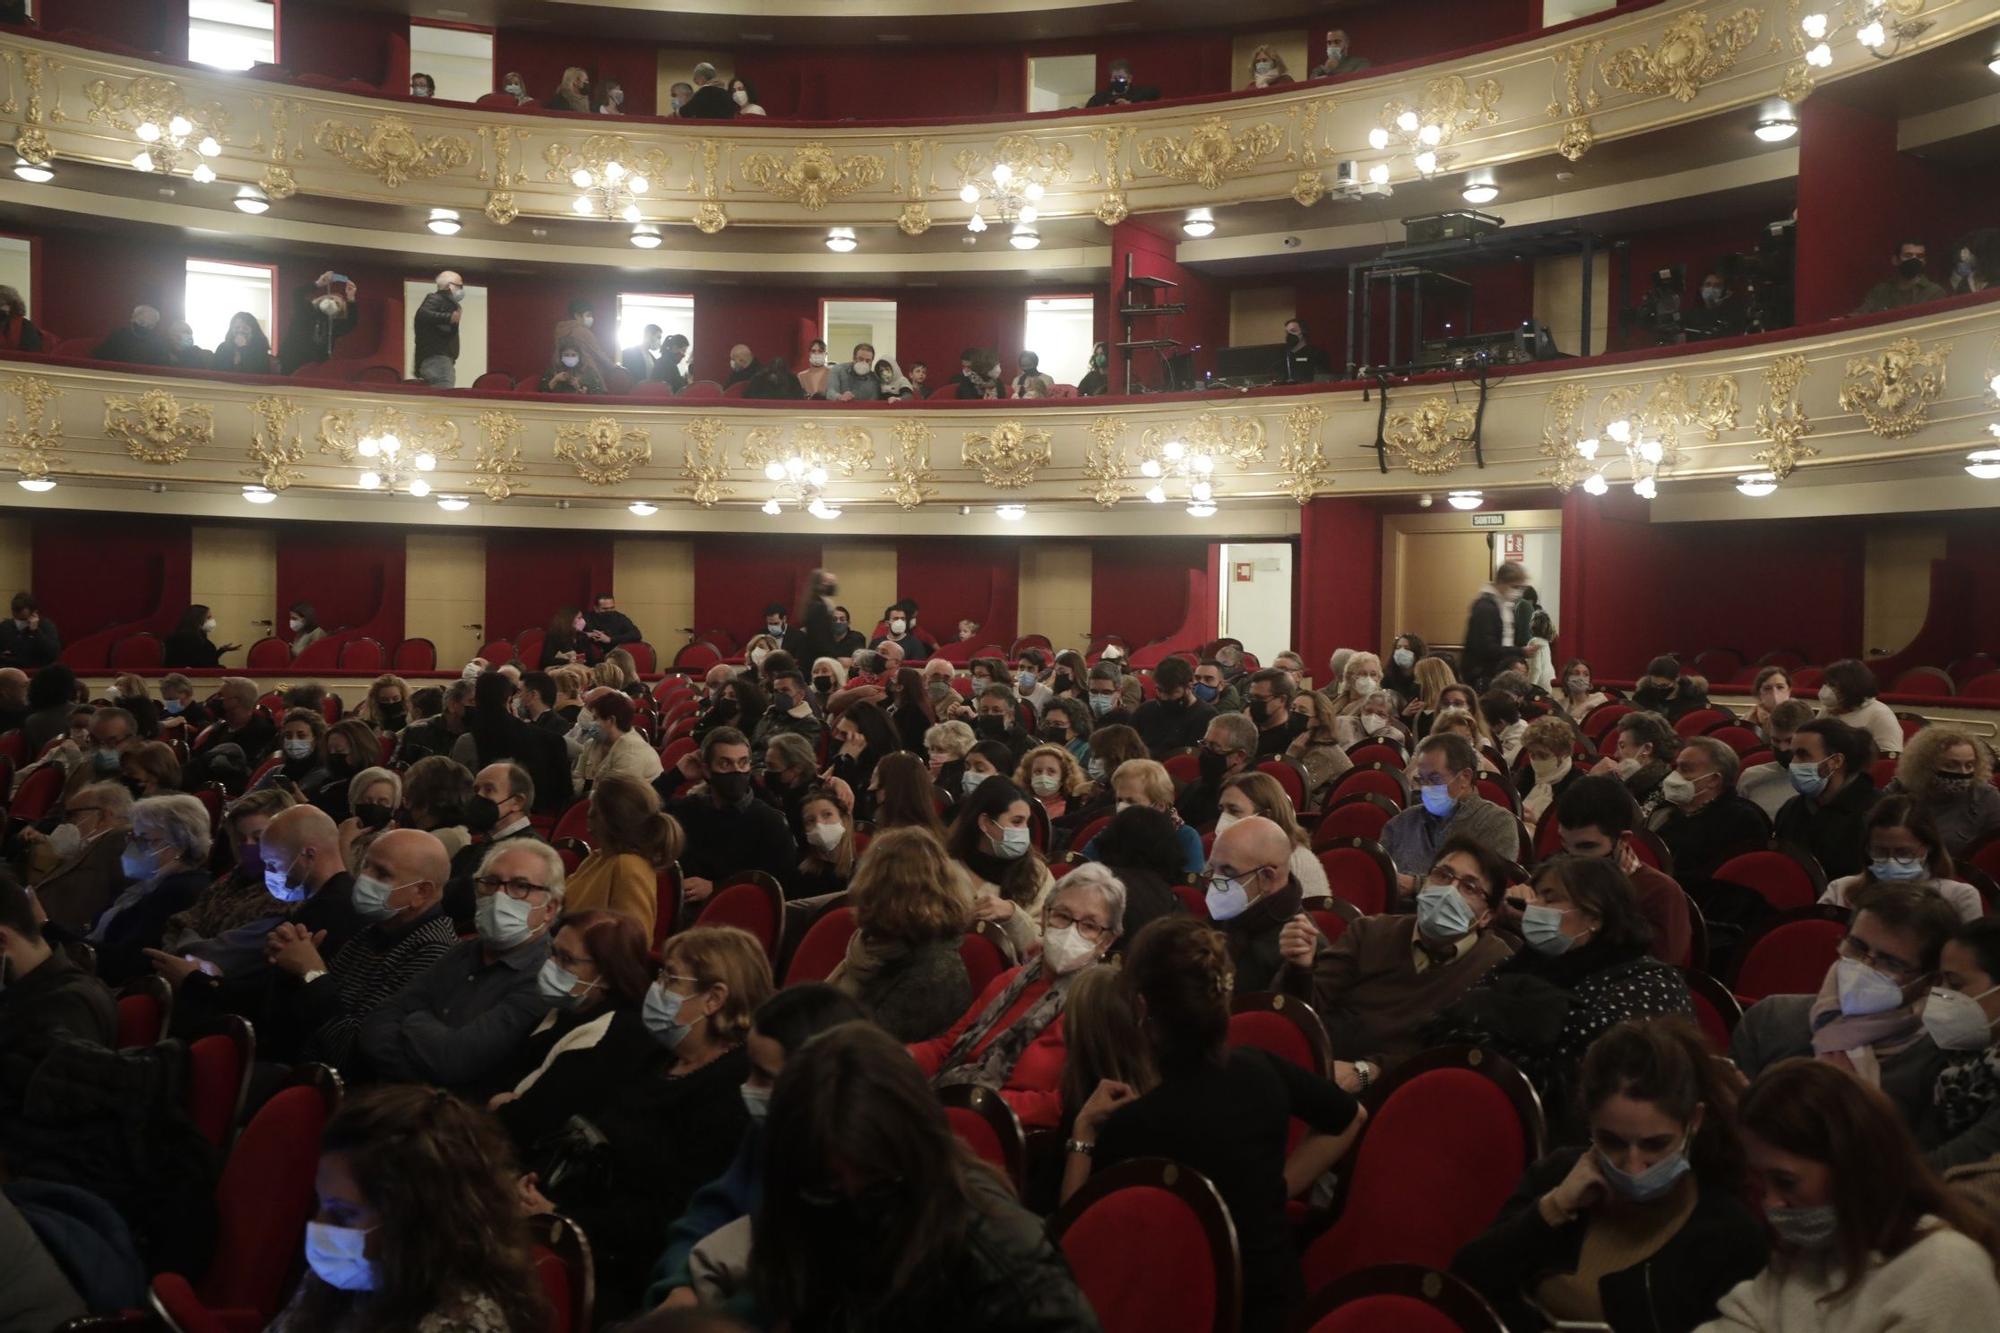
66,840
589,320
328,306
740,97
296,623
1374,723
1956,1022
863,367
1366,685
898,625
1225,822
208,626
1066,950
826,837
569,363
1827,698
817,358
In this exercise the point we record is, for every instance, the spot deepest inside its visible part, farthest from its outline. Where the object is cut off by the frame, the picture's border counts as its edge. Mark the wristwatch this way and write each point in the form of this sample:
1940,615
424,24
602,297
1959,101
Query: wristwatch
1080,1147
1364,1073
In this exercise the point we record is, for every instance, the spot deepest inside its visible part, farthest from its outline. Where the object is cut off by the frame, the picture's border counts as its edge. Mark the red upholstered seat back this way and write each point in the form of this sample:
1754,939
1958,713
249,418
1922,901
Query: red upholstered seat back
1376,780
416,655
973,1129
824,945
575,822
1447,1134
1780,880
184,1308
747,906
137,651
139,1021
1272,1034
1287,776
1143,1262
361,653
1386,1311
1789,959
1355,819
36,795
1183,768
983,960
1377,752
215,1082
556,1287
1356,876
262,1204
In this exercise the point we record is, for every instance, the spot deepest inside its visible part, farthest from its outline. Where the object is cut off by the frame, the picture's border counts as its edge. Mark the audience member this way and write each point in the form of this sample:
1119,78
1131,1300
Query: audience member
422,85
323,311
1031,383
1911,285
85,869
992,840
830,842
812,380
1120,89
493,735
902,961
188,644
895,384
745,97
631,842
1904,848
139,343
1447,772
1340,57
856,379
1173,720
239,896
1666,691
1549,746
27,637
1597,818
48,999
677,96
437,734
1228,747
244,349
667,367
1707,823
436,322
515,87
979,374
1829,816
165,854
570,373
728,829
1267,69
1251,894
572,92
1769,785
611,747
497,812
1499,620
1643,752
17,332
1258,795
1139,846
1646,1224
1268,703
1961,1126
1772,687
612,95
1096,381
743,363
1146,783
711,99
1847,693
578,331
1948,772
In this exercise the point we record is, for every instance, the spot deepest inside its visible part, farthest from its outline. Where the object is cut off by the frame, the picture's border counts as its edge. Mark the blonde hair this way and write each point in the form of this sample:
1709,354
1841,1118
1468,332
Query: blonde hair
1552,734
1322,712
606,673
955,738
764,641
903,889
1916,771
1073,781
1271,802
841,858
1432,675
730,957
1158,784
367,712
1267,51
628,667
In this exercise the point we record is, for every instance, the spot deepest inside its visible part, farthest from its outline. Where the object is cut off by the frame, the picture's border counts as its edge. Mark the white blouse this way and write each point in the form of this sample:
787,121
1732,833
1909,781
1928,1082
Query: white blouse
1879,721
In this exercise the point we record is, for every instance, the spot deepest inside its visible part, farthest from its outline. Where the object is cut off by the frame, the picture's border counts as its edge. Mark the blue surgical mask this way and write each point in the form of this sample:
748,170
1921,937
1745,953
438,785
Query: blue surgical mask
173,707
1898,868
1100,704
1096,770
1011,845
1649,1184
757,1101
278,883
970,782
661,1013
338,1256
1206,692
1438,800
139,862
1403,658
1807,780
1442,914
1027,681
558,984
503,921
1542,928
1227,899
103,760
371,898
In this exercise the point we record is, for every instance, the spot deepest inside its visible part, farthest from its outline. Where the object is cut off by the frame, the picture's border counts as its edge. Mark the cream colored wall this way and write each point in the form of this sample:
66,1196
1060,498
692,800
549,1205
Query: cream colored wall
1433,564
654,581
447,592
234,572
1055,592
1257,315
1289,45
1896,588
17,559
1559,295
865,574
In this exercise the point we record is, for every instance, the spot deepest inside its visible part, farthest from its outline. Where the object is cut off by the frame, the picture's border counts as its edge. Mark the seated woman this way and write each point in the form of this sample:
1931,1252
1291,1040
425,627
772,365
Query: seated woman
239,896
1112,745
436,790
1146,782
1642,753
1096,381
350,746
1139,847
1318,746
1866,1238
373,796
572,372
1585,968
1225,1112
862,736
902,961
244,350
875,1216
827,827
1579,691
1267,69
812,380
945,746
595,978
1011,1038
1433,676
791,769
1549,744
1963,1121
631,841
904,796
1360,678
1386,975
1502,714
1772,687
1066,721
990,839
1458,722
1904,848
1645,1227
302,742
1847,692
1949,773
1057,781
626,1166
612,747
1249,794
416,1226
165,867
148,768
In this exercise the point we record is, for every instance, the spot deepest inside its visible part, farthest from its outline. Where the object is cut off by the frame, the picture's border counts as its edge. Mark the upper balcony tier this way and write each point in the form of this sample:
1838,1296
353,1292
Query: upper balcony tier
1560,91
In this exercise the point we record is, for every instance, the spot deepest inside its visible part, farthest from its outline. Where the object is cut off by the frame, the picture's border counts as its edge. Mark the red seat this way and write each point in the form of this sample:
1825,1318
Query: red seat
1791,955
1360,872
1719,666
1193,899
1701,721
1716,1010
750,901
1362,817
1597,723
1924,680
416,655
1738,738
704,389
1152,1248
362,653
1279,1025
1408,1298
986,953
36,796
497,652
696,657
575,821
219,1079
645,661
1458,1124
983,1120
263,1201
666,902
14,746
1384,780
1982,687
144,1006
1806,681
1500,793
1291,775
824,945
1776,876
1377,751
1088,833
137,652
1182,768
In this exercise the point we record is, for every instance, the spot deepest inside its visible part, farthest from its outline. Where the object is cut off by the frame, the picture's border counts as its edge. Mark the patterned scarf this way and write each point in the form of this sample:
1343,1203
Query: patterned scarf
1967,1089
991,1068
1865,1038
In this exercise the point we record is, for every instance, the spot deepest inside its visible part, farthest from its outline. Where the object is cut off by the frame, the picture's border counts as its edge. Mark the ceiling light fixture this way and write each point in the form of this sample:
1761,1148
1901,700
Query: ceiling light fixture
1402,131
840,240
1479,192
1595,484
1994,64
392,468
1200,223
1776,129
1981,463
1881,27
643,509
1011,513
1646,488
37,173
1193,468
1025,237
1004,194
452,504
38,484
1757,485
1201,509
1465,499
164,148
801,482
251,199
444,221
259,495
608,191
646,236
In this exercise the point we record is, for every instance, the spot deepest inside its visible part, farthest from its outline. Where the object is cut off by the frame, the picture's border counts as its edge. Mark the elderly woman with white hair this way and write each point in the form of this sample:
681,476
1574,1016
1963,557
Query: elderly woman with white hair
373,796
1360,678
945,746
1011,1039
165,866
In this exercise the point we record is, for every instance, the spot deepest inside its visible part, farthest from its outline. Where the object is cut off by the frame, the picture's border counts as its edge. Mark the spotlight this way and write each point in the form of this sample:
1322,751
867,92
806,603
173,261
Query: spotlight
1011,513
1200,222
250,199
258,495
444,221
1379,174
1025,237
1776,129
420,488
1480,192
1983,464
1465,499
840,240
1756,485
1994,64
1378,138
38,483
37,173
452,504
642,509
1425,162
646,236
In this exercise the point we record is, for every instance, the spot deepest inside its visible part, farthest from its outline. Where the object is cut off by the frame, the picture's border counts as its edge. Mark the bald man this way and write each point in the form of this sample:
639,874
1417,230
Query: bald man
437,332
1251,895
398,894
742,364
13,697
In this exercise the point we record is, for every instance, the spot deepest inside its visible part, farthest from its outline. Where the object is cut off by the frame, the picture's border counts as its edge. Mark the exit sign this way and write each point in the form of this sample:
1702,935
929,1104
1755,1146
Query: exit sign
1489,520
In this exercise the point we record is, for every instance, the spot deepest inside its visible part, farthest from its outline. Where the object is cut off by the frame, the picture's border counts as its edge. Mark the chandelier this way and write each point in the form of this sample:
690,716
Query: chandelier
1008,196
1415,138
391,469
1882,27
1187,470
611,191
800,484
1645,457
167,147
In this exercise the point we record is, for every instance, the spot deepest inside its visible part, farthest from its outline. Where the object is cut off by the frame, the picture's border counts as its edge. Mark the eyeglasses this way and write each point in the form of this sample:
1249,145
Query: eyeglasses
1857,951
1435,779
1057,919
1468,885
517,889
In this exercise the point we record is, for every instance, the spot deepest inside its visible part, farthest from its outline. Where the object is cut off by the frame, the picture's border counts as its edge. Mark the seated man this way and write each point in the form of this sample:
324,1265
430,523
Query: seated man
242,723
1867,1016
27,637
1173,720
1387,975
855,381
1210,688
1340,57
502,796
1769,786
673,354
1120,89
847,640
436,735
1447,781
1596,817
728,829
138,343
1228,747
397,894
1708,822
47,998
790,712
1251,896
902,631
606,627
460,1023
86,869
1910,286
1268,702
742,365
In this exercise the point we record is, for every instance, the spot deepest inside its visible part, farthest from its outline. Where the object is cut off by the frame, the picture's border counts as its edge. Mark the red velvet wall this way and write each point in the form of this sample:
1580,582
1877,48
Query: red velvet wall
352,574
1139,589
91,282
1337,601
881,83
952,579
540,56
531,575
736,575
1200,330
158,26
343,41
94,572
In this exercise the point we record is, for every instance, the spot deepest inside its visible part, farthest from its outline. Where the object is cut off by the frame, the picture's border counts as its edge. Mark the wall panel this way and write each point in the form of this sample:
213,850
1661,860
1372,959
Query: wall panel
865,574
448,598
17,555
352,574
1055,592
736,575
234,572
530,576
653,578
1139,589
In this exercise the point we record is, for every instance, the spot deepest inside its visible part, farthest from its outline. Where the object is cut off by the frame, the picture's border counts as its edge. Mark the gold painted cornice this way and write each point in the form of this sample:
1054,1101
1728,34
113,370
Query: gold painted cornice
1563,92
1902,390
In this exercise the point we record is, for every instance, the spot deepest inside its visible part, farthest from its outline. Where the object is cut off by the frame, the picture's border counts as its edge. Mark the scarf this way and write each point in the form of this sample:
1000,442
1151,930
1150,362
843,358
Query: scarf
990,1070
1966,1089
983,382
1863,1039
863,962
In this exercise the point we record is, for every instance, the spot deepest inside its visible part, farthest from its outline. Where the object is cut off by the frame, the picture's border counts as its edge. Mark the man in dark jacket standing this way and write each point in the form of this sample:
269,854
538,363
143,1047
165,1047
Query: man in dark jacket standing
711,100
1498,619
437,332
606,627
47,998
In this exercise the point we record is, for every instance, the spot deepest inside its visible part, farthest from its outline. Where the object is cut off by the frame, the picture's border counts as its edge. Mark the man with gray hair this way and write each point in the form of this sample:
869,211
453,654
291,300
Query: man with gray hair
436,323
1227,748
457,1025
88,845
1447,780
436,735
139,343
1707,822
711,99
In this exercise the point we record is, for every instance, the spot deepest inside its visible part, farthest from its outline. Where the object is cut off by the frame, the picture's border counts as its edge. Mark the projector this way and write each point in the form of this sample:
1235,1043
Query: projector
1350,184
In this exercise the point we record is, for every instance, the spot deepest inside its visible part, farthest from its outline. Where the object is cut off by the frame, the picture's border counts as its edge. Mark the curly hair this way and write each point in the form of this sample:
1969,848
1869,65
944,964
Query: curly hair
1179,966
1072,784
1916,771
902,889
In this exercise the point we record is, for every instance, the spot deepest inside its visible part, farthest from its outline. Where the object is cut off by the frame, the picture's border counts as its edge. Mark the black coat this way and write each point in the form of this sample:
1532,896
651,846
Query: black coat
711,101
1837,832
192,649
1253,940
313,332
29,648
57,1001
436,330
1481,655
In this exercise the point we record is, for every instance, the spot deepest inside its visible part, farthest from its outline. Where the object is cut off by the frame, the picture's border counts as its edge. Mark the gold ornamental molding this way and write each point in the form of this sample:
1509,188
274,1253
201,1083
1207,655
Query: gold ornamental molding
1624,74
156,428
35,435
497,461
342,430
1782,419
1893,389
1104,461
911,481
603,452
1303,460
1009,455
704,462
1432,439
847,449
276,446
1226,437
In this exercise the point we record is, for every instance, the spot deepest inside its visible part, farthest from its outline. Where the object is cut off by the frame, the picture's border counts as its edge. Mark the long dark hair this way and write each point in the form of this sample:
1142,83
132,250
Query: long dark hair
965,841
1882,1187
874,726
1596,884
912,693
907,797
192,620
851,1112
1667,1062
618,946
440,1176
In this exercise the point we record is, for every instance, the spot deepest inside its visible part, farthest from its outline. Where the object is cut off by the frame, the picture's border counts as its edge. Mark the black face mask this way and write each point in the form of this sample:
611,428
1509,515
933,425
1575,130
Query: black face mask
1051,732
482,814
1911,269
372,816
988,725
136,787
395,718
1213,766
340,765
1782,757
1061,682
824,684
723,708
1953,782
730,788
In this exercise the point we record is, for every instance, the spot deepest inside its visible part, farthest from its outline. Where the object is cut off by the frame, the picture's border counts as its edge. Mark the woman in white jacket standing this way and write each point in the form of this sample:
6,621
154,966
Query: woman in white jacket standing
1866,1238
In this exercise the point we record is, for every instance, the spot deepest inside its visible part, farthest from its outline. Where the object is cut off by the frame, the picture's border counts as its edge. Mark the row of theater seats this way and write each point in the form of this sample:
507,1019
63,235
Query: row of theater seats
1974,676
